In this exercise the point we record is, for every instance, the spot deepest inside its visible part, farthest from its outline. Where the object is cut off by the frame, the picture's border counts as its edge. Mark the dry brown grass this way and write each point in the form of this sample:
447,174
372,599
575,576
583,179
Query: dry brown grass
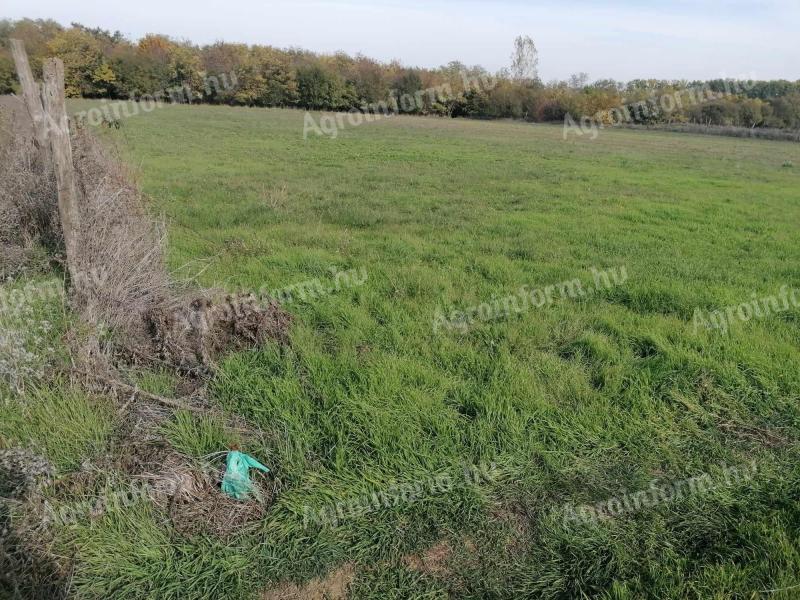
28,213
27,568
193,336
22,472
121,267
132,311
188,492
275,197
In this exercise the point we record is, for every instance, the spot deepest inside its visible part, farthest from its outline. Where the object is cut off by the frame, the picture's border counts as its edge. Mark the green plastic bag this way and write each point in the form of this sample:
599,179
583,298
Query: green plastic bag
236,482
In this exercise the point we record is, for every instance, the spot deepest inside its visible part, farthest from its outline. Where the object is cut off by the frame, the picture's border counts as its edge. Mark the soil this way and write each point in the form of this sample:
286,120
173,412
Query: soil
332,587
433,561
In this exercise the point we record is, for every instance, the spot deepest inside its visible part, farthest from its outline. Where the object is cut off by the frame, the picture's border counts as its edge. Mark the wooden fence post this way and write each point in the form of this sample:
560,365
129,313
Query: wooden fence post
31,96
57,126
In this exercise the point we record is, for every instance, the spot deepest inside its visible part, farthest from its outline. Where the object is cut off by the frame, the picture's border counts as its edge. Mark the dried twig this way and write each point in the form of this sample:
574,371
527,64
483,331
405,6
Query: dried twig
177,404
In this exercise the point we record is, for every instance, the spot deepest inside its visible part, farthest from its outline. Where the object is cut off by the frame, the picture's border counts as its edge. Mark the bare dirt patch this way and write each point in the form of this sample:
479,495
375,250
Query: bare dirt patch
518,523
332,587
433,561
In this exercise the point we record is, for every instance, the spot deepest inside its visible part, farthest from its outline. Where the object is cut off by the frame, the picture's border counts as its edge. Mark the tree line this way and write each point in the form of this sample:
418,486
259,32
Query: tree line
104,64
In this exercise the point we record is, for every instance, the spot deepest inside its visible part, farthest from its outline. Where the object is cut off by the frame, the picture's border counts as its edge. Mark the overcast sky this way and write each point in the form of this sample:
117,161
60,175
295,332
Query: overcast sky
620,39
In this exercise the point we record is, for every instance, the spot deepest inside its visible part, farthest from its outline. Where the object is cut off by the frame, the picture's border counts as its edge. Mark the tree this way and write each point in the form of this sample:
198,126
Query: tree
524,61
751,113
82,56
281,84
370,81
226,61
265,79
129,70
184,71
713,114
318,89
153,71
104,79
578,81
101,63
785,112
407,85
103,35
34,34
509,100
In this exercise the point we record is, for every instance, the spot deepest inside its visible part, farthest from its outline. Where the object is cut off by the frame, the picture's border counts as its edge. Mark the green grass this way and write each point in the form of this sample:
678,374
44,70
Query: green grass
128,554
198,435
64,423
578,401
38,411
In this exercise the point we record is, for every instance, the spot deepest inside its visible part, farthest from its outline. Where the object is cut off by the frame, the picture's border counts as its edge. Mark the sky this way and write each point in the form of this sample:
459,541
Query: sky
619,39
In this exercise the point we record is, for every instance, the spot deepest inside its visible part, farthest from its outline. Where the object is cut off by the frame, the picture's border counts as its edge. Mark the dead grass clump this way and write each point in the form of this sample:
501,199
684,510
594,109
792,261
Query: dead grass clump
14,259
195,336
28,208
175,480
755,435
275,198
194,501
215,514
23,472
27,570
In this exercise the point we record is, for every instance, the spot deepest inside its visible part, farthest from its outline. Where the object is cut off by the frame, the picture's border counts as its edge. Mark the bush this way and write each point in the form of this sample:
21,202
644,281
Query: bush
8,77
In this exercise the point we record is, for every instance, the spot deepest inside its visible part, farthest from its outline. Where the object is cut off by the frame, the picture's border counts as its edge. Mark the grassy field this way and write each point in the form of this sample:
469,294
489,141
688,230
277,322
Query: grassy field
613,394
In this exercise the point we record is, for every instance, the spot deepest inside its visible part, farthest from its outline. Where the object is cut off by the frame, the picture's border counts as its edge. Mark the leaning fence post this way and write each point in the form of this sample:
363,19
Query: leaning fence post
32,99
57,126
